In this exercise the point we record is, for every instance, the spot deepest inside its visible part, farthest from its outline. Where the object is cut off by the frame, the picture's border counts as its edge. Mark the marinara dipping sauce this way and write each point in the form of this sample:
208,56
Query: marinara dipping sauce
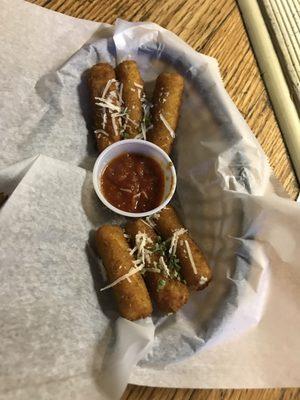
133,183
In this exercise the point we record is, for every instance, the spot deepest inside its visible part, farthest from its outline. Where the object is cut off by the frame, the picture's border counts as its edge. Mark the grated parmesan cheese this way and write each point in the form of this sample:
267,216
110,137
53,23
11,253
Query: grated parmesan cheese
125,190
142,240
132,121
164,266
133,250
174,241
143,130
131,272
100,131
104,118
156,215
121,93
190,256
146,114
146,223
203,280
150,222
105,104
149,127
113,94
165,122
107,86
138,85
115,128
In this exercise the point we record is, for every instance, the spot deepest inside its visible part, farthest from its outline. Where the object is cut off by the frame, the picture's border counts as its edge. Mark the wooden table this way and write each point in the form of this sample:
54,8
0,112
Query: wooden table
215,28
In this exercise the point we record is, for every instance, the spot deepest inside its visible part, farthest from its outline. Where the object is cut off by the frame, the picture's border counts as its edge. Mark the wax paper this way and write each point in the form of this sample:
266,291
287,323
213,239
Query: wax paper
59,334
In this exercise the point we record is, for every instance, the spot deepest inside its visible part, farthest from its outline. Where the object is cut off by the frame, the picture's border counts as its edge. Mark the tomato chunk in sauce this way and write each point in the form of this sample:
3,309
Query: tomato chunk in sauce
133,183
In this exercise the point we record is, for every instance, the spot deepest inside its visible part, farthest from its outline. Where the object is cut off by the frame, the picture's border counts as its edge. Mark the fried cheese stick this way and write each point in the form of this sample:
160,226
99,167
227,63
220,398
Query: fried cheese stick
173,294
194,267
131,89
166,108
105,104
131,294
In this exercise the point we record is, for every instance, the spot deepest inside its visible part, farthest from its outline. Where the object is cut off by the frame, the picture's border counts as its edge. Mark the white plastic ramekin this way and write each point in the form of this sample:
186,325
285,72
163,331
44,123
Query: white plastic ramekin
138,147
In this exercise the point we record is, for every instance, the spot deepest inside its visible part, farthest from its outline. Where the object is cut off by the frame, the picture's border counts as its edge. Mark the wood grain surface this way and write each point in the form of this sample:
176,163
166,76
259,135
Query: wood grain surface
283,21
215,28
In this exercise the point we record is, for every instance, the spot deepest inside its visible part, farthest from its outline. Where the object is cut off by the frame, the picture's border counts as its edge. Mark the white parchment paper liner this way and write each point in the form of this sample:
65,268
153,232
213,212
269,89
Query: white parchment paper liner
241,331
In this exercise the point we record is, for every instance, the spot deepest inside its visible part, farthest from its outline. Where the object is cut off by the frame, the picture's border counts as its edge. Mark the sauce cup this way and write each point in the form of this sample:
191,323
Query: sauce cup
138,147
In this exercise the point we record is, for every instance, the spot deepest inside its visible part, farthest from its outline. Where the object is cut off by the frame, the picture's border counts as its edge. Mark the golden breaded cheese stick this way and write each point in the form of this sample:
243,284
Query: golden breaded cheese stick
131,88
103,85
174,294
166,109
194,267
131,294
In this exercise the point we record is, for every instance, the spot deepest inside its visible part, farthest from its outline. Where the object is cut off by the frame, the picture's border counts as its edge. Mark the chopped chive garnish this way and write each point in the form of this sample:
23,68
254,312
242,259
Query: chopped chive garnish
161,284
